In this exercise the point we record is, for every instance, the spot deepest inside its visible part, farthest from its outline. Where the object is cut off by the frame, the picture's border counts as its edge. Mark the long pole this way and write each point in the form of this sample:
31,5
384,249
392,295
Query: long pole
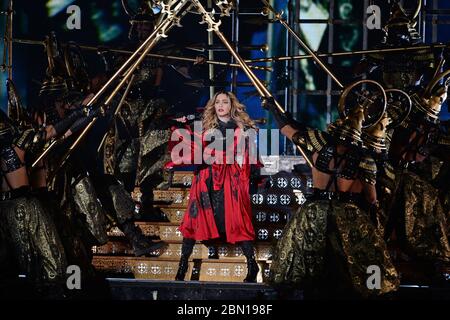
347,53
10,36
167,25
153,55
158,32
278,16
116,112
262,90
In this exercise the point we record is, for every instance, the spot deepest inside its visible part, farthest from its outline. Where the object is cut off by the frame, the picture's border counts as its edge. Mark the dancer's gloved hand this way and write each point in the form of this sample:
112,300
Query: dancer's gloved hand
64,124
83,121
268,103
281,118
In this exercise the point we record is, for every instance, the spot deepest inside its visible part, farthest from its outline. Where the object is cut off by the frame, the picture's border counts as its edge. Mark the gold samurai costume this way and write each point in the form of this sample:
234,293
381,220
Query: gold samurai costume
417,213
331,240
25,225
69,194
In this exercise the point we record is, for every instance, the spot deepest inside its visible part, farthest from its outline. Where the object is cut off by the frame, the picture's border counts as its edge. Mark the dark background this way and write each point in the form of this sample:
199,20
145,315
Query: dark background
104,23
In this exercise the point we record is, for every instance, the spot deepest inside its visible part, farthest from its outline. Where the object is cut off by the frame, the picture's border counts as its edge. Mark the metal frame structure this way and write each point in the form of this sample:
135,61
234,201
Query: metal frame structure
430,16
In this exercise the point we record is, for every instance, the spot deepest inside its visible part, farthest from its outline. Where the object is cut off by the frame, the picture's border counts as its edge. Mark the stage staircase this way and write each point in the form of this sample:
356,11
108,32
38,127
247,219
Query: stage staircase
273,200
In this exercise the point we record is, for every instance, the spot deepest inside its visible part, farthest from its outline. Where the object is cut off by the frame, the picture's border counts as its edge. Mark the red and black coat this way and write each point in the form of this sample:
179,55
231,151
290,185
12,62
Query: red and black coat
219,201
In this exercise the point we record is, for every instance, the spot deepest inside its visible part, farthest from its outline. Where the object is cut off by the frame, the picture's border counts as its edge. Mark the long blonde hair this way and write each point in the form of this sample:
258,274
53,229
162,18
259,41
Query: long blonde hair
237,112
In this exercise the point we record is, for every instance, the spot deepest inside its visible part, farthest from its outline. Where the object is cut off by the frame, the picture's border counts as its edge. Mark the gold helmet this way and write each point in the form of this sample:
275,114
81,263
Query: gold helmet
361,105
140,15
348,130
53,86
397,110
375,137
400,28
429,103
55,81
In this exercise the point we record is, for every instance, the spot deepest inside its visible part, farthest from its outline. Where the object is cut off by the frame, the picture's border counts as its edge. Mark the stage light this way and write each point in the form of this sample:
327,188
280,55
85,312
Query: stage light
257,198
274,217
155,270
179,214
142,268
238,271
282,182
296,182
223,251
277,233
261,216
169,270
263,234
211,252
225,272
211,272
272,199
285,199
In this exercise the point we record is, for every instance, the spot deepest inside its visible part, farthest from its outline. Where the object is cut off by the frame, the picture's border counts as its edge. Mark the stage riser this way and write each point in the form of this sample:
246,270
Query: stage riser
175,215
140,268
173,197
173,251
165,231
163,269
169,232
183,178
123,289
178,198
216,262
229,272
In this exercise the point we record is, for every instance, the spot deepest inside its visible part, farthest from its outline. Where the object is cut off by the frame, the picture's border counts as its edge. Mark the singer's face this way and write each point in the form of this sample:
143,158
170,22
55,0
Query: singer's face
222,105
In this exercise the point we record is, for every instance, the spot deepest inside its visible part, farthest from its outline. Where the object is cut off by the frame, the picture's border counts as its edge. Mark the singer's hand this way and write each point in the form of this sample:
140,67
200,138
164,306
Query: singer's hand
268,103
182,119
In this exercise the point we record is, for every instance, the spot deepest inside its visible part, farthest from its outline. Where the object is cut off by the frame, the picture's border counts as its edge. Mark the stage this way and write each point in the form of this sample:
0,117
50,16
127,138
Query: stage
134,289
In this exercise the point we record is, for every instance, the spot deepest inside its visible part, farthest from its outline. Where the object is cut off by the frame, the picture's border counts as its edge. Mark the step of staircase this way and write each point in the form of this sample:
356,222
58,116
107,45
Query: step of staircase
232,270
183,178
166,231
139,267
120,247
172,197
174,214
172,251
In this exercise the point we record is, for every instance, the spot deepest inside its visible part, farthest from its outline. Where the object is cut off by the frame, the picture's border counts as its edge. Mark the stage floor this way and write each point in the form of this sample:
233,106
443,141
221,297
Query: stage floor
137,289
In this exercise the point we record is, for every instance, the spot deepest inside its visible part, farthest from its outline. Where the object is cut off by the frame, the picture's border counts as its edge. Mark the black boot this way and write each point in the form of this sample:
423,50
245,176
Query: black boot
141,245
252,266
186,251
147,209
252,270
